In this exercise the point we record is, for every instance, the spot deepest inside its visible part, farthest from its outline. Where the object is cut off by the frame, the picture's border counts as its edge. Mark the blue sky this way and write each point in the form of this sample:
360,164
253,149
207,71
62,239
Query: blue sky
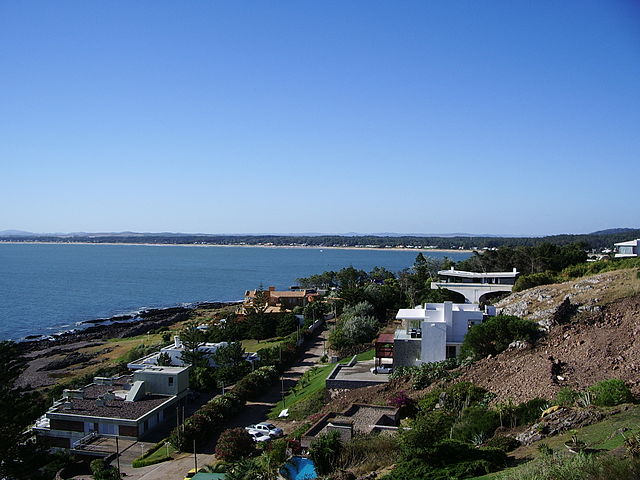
510,117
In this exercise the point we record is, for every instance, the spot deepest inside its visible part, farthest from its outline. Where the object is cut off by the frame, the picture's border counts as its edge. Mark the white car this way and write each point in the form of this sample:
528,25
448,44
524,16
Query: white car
259,437
266,429
382,369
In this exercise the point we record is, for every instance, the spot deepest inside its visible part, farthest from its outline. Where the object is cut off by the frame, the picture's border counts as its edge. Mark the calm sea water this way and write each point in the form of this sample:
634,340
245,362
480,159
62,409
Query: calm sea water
46,289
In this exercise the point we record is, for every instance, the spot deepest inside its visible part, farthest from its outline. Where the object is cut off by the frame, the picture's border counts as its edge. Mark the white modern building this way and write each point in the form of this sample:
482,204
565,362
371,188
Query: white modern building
175,351
434,331
475,285
628,249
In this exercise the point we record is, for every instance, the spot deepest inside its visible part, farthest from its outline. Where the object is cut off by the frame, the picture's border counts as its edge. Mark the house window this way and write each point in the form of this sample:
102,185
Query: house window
451,351
170,381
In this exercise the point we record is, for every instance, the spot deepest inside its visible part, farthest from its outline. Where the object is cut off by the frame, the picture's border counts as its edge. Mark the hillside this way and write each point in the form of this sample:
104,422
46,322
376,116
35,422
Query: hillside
602,340
589,293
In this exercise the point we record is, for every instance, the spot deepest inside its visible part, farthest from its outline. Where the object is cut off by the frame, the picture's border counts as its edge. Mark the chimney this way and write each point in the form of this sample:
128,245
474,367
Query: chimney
176,342
514,270
67,405
272,289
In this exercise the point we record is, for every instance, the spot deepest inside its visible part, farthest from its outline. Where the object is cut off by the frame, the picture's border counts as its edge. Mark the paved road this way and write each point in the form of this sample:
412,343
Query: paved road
254,412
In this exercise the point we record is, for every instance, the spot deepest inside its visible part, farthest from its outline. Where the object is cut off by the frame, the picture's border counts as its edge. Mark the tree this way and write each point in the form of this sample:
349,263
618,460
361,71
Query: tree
315,310
235,444
230,362
192,337
101,471
287,323
164,359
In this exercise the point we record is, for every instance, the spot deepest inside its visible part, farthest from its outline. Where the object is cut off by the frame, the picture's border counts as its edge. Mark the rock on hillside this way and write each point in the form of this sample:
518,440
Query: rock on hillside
595,346
589,293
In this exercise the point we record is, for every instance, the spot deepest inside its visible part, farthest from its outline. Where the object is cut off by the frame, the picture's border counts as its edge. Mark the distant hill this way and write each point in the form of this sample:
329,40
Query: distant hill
596,240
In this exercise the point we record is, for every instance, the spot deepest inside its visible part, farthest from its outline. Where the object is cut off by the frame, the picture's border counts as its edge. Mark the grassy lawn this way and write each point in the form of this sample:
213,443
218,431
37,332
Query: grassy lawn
166,450
601,436
315,379
255,345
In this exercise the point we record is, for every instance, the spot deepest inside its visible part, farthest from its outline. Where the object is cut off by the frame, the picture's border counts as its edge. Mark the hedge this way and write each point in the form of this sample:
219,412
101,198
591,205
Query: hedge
210,418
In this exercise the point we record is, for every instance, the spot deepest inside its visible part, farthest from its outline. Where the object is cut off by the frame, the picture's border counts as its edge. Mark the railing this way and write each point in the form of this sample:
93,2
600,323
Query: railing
84,440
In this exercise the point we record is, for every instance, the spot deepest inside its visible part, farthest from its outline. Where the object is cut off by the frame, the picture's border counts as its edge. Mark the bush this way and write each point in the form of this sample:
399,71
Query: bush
424,431
566,397
578,467
324,451
495,334
531,280
476,425
254,383
529,412
234,444
609,393
426,373
506,444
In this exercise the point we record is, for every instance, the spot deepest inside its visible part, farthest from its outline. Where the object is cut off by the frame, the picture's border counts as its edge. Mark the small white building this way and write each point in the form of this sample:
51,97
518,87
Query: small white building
434,331
475,285
628,249
175,351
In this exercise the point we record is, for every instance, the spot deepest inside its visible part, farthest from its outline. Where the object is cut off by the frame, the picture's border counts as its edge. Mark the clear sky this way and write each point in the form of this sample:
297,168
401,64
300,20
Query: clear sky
506,117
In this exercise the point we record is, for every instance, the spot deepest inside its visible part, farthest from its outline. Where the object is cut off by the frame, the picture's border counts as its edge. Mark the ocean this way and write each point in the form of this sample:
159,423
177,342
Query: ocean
49,288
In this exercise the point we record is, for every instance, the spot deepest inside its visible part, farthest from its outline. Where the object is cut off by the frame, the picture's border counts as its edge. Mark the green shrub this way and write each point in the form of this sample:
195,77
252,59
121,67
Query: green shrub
145,462
504,443
425,374
424,431
609,393
531,280
234,444
324,451
430,400
566,397
475,425
530,411
577,467
495,334
449,459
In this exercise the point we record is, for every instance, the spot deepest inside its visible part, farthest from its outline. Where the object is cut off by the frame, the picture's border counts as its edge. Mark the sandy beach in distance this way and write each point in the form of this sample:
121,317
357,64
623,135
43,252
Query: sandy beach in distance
314,247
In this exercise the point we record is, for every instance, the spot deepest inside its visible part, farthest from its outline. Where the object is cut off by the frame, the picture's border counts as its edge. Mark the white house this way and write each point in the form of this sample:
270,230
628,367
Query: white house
475,285
175,351
128,407
628,249
434,331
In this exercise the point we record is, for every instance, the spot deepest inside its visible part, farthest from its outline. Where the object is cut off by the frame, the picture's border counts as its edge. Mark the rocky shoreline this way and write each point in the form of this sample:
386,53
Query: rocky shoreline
119,326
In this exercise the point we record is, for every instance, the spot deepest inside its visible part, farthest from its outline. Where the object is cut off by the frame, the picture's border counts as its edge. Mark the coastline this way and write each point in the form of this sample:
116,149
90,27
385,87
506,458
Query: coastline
120,326
308,247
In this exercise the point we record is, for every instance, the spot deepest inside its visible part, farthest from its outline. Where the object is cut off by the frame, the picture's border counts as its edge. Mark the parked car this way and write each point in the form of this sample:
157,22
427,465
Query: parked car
266,428
382,369
259,437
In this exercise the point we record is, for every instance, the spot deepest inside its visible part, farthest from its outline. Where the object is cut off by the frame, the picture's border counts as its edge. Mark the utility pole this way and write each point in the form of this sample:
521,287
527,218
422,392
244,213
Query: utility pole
284,402
118,456
195,456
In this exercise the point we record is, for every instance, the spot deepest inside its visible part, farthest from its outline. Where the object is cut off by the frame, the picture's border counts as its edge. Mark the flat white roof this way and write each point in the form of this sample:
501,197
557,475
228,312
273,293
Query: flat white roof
461,273
630,243
410,314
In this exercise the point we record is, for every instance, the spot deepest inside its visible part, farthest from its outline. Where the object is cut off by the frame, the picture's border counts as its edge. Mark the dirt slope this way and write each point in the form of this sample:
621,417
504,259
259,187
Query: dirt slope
602,344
